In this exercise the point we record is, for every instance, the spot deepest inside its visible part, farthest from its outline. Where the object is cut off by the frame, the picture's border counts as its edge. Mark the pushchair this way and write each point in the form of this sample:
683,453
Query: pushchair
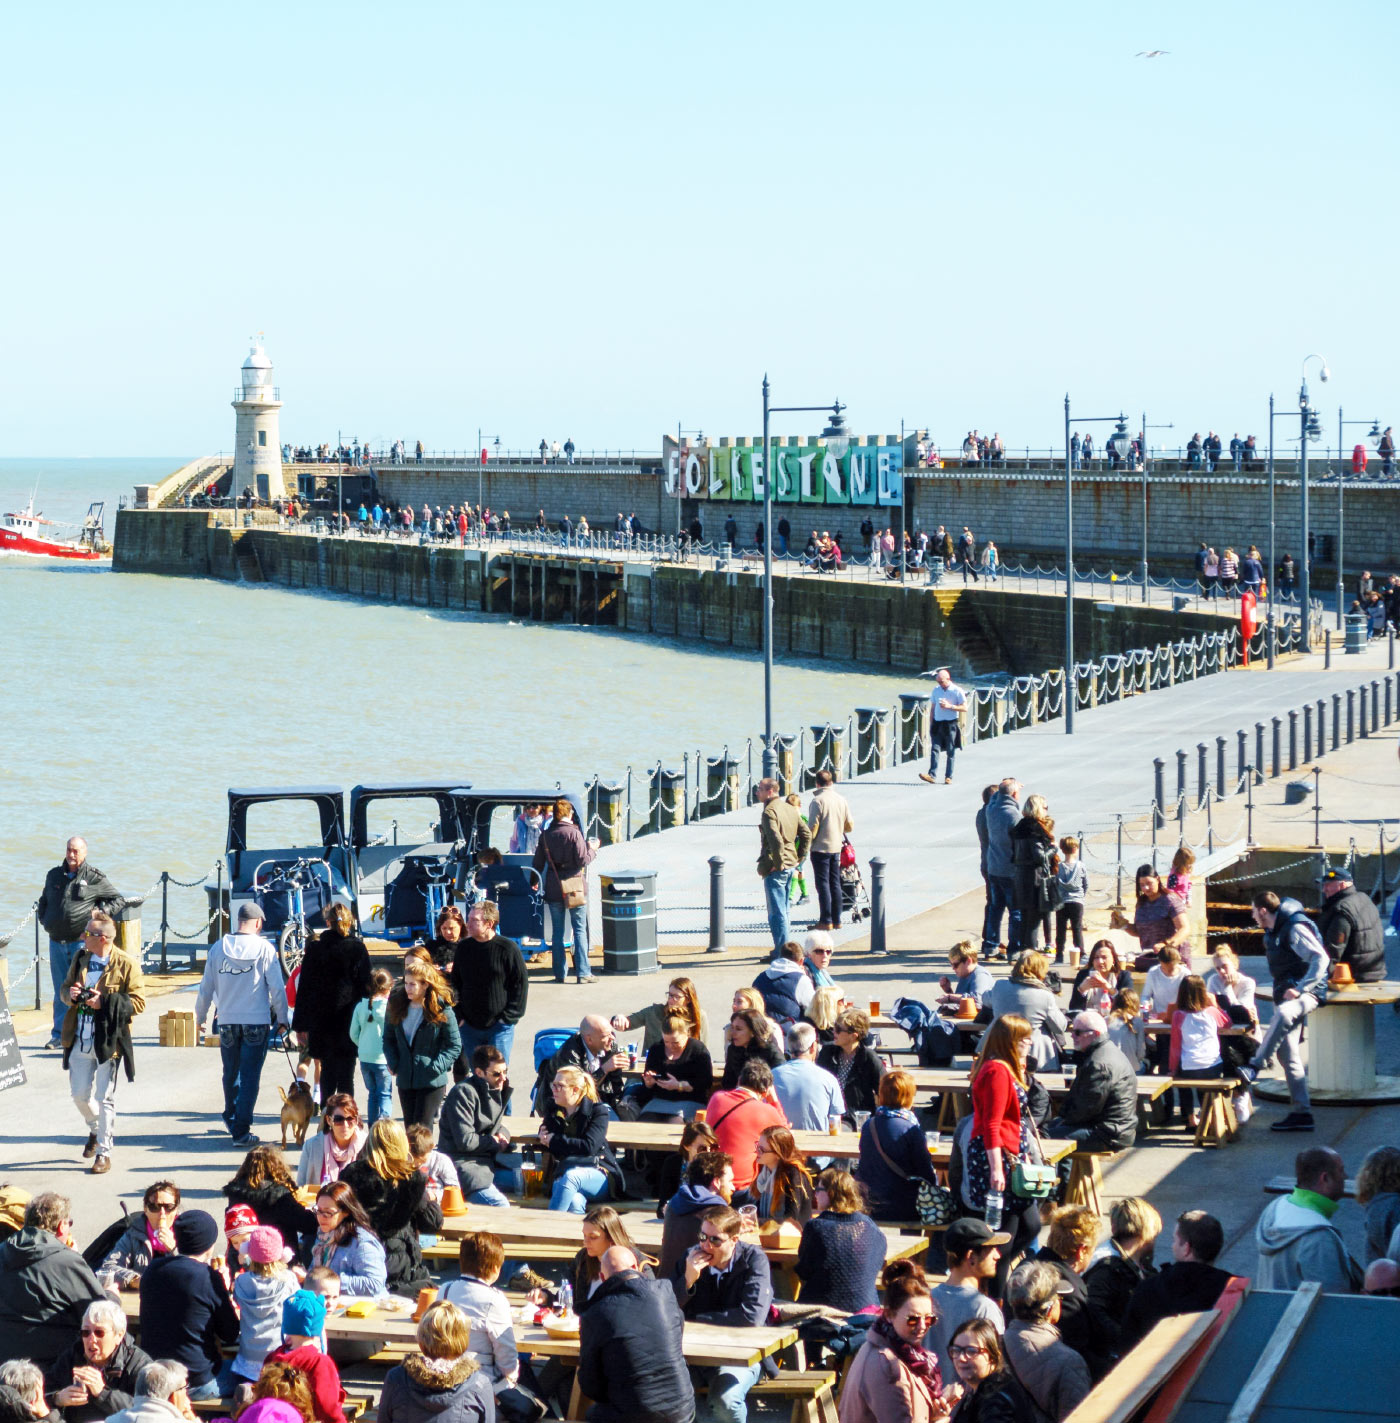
855,902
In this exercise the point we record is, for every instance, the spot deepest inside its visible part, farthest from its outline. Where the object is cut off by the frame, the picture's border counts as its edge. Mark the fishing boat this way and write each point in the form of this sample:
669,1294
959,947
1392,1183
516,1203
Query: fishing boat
30,533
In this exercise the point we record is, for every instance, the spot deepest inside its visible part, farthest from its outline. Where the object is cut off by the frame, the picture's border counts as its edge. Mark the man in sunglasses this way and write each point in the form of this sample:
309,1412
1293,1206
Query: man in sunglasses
725,1280
72,890
103,992
98,1375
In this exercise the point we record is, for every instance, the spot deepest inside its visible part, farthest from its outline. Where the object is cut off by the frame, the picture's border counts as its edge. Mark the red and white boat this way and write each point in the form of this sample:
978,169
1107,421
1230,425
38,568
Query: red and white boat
31,533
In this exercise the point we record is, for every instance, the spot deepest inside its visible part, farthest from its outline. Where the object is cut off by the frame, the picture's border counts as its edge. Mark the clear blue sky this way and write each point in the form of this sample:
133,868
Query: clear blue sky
557,219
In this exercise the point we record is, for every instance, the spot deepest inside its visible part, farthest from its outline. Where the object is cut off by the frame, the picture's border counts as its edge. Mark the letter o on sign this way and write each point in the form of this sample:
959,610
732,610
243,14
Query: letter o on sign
693,476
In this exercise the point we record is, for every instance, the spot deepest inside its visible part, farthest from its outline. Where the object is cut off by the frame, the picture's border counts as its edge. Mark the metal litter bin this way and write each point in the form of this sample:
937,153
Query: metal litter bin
629,921
1356,632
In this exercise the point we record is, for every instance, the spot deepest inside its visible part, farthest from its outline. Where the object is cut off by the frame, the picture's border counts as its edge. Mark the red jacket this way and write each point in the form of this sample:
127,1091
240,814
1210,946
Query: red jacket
323,1376
996,1110
737,1117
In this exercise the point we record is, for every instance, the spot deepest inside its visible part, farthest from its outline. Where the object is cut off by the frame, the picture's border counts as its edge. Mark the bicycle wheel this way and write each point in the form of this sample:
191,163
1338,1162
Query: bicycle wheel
291,948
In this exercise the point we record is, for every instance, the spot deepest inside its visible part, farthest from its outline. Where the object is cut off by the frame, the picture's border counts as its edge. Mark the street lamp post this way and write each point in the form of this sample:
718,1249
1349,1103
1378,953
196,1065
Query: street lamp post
1373,436
1308,429
1145,428
481,465
680,477
835,428
1119,442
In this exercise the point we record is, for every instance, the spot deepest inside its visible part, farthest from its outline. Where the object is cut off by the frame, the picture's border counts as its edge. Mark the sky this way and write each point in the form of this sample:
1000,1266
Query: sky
602,222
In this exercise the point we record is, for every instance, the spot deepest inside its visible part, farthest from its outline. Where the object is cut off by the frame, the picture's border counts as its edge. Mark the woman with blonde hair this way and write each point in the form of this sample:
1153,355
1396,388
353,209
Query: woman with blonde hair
334,977
421,1038
575,1133
1026,994
441,1382
394,1193
1034,864
1003,1134
782,1189
822,1013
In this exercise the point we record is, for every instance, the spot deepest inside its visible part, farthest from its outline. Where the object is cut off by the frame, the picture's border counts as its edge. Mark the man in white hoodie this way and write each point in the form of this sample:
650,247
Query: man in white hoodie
243,980
1296,1238
161,1396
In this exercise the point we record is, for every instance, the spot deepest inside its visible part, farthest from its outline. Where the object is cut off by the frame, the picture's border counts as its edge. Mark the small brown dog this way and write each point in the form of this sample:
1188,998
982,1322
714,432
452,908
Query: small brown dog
298,1108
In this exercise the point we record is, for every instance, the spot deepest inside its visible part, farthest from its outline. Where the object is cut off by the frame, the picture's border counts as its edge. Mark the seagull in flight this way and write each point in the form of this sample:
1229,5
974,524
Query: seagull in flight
1150,53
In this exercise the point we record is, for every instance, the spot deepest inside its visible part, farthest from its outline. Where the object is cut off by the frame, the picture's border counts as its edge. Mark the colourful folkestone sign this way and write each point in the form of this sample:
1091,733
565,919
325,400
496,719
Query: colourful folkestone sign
802,474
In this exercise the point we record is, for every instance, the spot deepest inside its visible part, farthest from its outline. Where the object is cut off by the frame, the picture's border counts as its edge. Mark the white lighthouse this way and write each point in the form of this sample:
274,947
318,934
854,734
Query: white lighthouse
257,457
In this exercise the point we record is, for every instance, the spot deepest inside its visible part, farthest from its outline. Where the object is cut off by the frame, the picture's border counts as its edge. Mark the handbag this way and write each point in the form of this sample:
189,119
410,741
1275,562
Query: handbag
574,890
1034,1180
934,1202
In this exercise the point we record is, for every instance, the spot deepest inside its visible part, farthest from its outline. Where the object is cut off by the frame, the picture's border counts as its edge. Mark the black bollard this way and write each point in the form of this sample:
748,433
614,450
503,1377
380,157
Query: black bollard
1202,779
1293,739
1375,707
1259,752
1322,726
1327,647
1220,790
1307,731
1242,752
1336,720
716,904
1351,715
1278,745
1387,701
1159,792
877,906
1365,711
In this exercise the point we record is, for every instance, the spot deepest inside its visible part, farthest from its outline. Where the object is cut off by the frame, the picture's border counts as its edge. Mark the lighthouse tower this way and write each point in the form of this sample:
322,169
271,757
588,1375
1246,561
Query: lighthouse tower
257,458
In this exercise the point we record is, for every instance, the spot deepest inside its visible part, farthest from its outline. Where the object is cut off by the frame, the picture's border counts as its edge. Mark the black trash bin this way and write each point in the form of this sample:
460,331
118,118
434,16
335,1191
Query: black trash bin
629,921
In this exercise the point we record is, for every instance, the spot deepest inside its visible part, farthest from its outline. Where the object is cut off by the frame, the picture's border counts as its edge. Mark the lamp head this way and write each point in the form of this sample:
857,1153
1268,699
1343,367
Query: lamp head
1373,435
1324,373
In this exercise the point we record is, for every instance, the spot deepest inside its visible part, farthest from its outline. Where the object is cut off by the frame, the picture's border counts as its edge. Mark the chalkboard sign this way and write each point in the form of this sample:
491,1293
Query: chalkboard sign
11,1064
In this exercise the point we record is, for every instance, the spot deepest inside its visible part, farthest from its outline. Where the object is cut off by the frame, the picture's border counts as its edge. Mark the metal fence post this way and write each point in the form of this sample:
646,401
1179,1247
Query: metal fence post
877,906
164,917
1293,739
1159,796
1387,701
1351,715
1277,745
716,904
1390,637
1327,647
1249,810
1118,901
1220,767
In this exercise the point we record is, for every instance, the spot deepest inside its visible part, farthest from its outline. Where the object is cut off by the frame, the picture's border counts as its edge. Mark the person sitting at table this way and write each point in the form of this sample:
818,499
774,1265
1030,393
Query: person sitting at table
842,1250
595,1052
346,1243
855,1066
819,948
264,1184
22,1397
1194,1051
681,997
1189,1284
809,1095
150,1234
894,1155
1120,1265
738,1116
441,1382
631,1358
1231,989
1069,1246
1100,1112
1054,1374
970,979
394,1194
784,984
96,1375
259,1291
822,1013
991,1392
893,1378
473,1131
725,1280
695,1138
341,1139
678,1074
782,1189
603,1228
709,1181
1025,994
1159,918
1104,976
1159,992
303,1325
752,1038
575,1133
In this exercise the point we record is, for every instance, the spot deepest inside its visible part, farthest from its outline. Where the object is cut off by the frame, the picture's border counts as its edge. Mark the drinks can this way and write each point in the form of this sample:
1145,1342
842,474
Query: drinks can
631,1054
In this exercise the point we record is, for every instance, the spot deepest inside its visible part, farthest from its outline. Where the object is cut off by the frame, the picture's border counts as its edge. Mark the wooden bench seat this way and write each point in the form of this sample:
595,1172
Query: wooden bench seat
1216,1123
812,1392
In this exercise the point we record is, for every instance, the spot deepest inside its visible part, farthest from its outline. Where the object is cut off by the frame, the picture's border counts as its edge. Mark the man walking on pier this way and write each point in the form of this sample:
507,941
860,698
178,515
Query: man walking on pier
783,840
72,890
945,734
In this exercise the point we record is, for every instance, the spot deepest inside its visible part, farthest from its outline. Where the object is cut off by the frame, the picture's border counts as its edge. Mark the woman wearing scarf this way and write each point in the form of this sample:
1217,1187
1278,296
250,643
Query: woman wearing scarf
894,1379
336,1145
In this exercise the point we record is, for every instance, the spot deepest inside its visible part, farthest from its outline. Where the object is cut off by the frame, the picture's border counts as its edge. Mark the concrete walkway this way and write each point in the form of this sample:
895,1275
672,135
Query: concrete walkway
925,833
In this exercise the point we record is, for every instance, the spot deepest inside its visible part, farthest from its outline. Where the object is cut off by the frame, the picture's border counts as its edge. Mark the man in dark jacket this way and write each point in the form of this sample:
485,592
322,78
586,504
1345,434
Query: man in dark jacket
71,891
1189,1284
1351,928
491,983
785,986
1003,815
1100,1112
96,1376
631,1363
45,1284
593,1049
724,1280
709,1181
1074,1230
471,1133
187,1311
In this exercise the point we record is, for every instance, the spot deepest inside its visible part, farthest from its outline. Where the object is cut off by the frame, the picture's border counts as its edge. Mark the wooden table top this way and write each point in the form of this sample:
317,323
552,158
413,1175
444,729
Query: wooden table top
1357,995
938,1079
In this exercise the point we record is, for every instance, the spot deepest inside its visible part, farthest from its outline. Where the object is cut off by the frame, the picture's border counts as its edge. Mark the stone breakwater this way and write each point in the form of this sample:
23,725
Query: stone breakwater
974,630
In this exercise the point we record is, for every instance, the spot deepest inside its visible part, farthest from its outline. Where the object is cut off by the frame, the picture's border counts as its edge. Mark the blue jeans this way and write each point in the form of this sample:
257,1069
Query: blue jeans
577,1189
775,892
200,1392
508,1181
60,961
729,1390
1001,895
243,1047
578,919
379,1090
502,1036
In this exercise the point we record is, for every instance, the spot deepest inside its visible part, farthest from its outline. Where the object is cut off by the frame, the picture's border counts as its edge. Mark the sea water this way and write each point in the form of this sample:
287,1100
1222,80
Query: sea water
132,702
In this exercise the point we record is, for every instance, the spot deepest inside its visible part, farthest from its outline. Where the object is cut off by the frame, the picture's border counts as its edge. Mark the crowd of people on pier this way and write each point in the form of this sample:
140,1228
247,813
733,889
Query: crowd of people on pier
1026,1297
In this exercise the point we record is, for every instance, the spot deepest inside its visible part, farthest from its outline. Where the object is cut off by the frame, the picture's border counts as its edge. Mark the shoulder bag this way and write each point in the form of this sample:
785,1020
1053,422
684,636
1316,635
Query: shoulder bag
574,890
1034,1180
935,1203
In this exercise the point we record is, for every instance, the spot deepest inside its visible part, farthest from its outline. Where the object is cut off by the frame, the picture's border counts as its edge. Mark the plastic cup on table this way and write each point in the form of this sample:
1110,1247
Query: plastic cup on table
833,1125
874,1007
748,1218
934,1140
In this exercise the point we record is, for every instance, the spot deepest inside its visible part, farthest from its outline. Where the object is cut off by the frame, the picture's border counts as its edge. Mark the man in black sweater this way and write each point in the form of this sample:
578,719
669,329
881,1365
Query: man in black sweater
1189,1284
724,1280
631,1363
186,1308
491,983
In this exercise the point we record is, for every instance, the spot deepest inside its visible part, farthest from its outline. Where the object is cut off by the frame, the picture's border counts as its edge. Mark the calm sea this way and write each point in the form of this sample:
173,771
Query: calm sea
132,703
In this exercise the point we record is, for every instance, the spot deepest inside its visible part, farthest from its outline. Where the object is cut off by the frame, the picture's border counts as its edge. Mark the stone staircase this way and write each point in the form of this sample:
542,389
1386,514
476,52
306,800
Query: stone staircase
249,565
982,650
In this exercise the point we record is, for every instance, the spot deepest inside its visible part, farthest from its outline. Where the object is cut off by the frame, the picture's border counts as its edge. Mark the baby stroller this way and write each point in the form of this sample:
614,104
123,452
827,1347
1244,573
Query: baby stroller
855,902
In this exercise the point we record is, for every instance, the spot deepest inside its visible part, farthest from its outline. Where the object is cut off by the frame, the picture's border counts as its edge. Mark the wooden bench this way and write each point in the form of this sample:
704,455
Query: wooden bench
1216,1123
812,1392
1086,1177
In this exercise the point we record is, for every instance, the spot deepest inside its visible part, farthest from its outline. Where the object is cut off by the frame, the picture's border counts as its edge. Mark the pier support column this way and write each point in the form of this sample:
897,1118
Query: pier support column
786,747
721,786
872,739
605,811
667,800
913,725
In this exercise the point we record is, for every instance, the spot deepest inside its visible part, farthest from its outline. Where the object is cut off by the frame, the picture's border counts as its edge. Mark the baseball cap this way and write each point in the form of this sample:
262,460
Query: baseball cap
1336,877
971,1233
248,910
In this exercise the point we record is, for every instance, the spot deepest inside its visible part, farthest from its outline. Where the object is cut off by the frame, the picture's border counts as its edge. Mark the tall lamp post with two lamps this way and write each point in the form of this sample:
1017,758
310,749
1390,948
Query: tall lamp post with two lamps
1373,438
1309,430
1119,443
835,431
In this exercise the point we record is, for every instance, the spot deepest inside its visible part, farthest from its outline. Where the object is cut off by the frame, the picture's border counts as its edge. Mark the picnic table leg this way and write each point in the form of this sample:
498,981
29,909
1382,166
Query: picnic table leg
1084,1181
578,1404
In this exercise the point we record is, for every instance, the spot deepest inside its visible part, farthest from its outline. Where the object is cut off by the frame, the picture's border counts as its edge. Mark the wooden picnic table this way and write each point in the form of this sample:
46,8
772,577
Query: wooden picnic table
1342,1046
954,1088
